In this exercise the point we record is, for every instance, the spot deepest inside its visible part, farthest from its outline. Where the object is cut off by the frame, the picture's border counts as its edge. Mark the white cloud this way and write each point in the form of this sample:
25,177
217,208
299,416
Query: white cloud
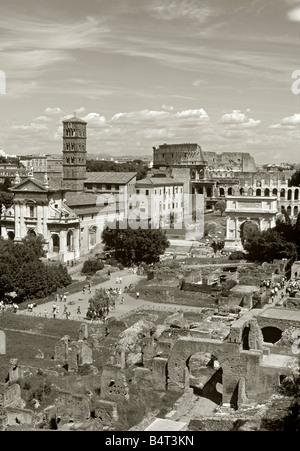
198,114
167,107
147,115
53,111
94,119
291,120
294,15
180,9
237,118
198,83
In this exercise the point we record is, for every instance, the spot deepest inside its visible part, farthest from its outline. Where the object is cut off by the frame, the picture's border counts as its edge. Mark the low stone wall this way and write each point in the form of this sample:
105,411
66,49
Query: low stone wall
181,405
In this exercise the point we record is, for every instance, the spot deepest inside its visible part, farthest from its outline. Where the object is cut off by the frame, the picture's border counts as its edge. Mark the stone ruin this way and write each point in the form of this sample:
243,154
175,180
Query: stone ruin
73,354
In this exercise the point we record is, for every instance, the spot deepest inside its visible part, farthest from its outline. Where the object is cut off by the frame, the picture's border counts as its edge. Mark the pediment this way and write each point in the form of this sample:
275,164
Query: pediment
29,185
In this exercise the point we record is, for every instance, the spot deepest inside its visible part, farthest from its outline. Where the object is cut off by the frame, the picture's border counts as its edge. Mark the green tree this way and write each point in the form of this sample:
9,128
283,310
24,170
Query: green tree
269,245
295,179
92,265
135,245
220,206
23,271
137,166
217,245
99,304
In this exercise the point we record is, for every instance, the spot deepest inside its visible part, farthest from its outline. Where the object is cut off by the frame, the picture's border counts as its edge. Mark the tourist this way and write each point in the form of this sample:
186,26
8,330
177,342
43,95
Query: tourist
117,279
65,298
122,300
137,294
78,310
120,279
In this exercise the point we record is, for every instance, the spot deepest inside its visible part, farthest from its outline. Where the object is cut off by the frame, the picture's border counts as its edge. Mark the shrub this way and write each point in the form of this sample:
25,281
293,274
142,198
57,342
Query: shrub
112,262
92,265
237,255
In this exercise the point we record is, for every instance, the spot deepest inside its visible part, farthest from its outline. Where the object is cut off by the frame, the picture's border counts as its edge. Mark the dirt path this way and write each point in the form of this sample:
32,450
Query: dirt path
82,300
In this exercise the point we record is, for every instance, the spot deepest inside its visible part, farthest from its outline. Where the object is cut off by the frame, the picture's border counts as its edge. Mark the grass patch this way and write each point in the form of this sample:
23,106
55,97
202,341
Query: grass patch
26,335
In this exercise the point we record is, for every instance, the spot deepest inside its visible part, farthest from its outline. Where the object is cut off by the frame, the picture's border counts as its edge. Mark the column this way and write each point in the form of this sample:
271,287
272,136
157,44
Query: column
237,233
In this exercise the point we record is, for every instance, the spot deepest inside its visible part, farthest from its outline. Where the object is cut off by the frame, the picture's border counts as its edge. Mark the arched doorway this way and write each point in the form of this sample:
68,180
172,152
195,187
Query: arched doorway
245,338
205,376
271,334
70,241
258,192
289,194
31,232
296,194
282,193
267,192
222,192
11,235
275,192
55,244
230,191
296,211
92,236
247,230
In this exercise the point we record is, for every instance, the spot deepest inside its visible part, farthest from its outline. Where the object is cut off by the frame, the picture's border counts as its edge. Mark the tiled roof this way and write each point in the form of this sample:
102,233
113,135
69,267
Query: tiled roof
81,199
158,181
109,177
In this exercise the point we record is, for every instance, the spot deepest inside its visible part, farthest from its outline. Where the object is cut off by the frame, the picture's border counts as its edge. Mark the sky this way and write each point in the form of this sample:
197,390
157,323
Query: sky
142,73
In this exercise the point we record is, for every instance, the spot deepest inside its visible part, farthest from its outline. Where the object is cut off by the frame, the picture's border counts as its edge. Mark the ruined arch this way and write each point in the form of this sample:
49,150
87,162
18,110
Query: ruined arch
271,334
204,374
177,370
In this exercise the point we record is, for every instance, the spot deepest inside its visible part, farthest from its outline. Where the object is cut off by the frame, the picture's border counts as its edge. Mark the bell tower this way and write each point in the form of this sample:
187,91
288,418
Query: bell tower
74,154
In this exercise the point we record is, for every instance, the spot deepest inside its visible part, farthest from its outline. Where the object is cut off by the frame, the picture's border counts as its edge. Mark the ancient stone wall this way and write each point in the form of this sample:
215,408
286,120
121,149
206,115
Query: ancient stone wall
70,406
113,384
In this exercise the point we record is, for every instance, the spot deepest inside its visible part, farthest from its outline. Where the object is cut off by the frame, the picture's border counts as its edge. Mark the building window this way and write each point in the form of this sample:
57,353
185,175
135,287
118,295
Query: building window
108,187
147,192
31,211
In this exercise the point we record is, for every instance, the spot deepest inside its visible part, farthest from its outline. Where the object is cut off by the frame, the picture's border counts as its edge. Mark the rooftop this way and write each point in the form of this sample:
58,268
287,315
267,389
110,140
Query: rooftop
74,119
158,181
81,199
120,178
